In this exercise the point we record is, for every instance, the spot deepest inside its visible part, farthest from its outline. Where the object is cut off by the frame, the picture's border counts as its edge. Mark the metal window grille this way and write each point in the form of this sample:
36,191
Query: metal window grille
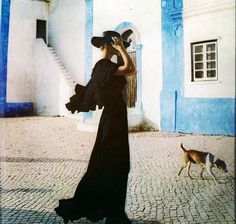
131,87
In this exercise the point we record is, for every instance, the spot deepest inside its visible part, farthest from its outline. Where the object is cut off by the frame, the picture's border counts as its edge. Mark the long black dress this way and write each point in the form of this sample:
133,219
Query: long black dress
101,192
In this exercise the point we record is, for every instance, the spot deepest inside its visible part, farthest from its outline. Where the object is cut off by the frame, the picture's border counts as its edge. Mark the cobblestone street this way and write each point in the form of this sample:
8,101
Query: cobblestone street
43,159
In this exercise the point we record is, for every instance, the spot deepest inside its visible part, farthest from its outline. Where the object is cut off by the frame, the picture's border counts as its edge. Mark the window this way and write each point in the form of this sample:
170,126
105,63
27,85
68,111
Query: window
204,61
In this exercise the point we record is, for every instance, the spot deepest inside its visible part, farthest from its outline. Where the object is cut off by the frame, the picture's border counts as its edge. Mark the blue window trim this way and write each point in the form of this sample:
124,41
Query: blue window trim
179,113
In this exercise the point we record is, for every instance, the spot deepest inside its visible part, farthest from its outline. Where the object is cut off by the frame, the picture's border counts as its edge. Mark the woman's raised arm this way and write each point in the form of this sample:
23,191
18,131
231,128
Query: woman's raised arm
128,67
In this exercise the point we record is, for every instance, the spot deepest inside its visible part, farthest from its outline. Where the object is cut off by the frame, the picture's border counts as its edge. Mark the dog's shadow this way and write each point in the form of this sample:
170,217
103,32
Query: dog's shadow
208,179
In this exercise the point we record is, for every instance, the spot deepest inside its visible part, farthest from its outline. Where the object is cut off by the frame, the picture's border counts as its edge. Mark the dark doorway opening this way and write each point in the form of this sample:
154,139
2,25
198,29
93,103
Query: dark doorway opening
41,29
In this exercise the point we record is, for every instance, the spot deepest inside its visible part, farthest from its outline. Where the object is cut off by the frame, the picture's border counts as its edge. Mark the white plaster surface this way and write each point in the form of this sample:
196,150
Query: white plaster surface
51,89
22,32
146,19
207,20
37,80
66,35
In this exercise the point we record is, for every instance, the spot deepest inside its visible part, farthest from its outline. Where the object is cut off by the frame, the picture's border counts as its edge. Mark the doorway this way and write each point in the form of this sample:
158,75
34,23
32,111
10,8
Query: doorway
41,29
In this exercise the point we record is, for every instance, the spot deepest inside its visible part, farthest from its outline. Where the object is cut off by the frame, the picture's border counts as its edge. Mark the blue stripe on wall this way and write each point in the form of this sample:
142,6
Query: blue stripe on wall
88,36
172,62
206,116
18,109
8,109
178,113
5,13
88,51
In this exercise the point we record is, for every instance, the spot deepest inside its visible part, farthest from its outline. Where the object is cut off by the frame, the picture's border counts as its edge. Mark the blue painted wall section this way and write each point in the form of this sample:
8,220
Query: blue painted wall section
123,25
178,113
88,51
4,22
172,62
8,109
88,35
206,116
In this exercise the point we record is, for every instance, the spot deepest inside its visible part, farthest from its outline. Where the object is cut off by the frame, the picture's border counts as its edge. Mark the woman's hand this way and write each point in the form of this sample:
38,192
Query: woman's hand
128,67
117,43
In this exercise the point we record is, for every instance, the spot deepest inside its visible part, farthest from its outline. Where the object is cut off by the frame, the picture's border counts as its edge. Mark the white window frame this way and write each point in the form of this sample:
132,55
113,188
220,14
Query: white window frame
204,61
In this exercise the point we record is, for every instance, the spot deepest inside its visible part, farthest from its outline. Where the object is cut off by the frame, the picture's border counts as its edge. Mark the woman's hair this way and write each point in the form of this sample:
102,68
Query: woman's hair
101,47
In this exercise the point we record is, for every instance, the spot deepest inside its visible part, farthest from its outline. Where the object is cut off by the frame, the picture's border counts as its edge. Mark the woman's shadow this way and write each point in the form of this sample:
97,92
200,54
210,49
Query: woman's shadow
133,222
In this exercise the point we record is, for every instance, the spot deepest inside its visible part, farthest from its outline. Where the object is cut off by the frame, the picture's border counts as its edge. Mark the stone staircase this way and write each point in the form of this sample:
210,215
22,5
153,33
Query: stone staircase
71,83
89,121
85,121
68,78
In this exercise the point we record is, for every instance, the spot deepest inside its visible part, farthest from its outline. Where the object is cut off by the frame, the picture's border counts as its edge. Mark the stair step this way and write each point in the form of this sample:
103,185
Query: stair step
66,75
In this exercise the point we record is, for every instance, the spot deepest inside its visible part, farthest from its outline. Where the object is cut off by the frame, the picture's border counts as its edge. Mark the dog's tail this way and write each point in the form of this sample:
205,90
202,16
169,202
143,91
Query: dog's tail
181,145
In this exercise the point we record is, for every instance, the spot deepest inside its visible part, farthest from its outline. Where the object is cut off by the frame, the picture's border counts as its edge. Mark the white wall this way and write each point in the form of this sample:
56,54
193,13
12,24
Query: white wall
206,20
146,17
22,32
66,35
50,89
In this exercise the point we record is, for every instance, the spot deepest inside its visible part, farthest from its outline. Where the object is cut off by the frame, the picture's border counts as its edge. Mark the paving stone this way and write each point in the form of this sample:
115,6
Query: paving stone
43,159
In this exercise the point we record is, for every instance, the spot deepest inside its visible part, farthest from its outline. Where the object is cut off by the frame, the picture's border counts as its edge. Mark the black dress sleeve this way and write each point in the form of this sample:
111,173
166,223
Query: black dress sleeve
95,92
104,78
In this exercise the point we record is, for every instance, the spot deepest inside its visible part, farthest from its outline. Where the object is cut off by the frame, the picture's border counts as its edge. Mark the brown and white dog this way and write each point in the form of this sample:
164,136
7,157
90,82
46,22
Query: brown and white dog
204,159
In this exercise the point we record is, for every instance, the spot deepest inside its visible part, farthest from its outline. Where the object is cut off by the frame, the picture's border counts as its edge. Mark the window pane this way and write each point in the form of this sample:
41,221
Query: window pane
199,74
211,56
199,66
198,49
211,73
210,47
198,57
211,64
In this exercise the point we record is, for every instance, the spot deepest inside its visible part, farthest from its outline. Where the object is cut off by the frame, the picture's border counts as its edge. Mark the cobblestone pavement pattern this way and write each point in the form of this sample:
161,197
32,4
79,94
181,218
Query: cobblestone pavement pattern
43,159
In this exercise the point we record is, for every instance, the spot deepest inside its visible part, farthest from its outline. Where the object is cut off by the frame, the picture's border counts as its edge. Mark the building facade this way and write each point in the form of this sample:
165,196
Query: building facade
183,50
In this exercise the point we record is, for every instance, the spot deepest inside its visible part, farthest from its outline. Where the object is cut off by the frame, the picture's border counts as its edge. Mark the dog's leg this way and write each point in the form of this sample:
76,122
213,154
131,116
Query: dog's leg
182,167
202,172
188,169
209,169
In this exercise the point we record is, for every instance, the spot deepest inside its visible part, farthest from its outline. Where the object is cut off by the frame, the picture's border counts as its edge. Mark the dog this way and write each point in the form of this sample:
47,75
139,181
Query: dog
204,159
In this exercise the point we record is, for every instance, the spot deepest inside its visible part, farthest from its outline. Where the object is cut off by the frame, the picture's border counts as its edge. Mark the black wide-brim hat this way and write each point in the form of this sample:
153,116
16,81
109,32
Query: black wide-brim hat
107,38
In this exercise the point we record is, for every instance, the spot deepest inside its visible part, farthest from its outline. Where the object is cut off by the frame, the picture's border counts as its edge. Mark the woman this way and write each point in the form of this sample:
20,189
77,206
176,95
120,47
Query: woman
101,192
